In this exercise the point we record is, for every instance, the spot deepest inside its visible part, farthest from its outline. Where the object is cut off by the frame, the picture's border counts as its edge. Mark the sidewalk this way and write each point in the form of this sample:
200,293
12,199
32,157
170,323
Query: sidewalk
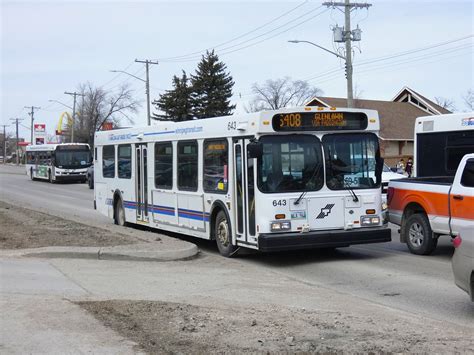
167,251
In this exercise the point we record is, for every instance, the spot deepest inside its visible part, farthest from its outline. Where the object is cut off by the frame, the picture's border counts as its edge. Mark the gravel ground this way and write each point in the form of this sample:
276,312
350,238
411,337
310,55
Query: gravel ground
173,328
23,228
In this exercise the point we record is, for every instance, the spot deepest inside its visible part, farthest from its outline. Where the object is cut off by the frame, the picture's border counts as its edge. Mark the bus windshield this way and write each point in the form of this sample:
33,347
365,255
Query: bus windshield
351,160
72,159
290,163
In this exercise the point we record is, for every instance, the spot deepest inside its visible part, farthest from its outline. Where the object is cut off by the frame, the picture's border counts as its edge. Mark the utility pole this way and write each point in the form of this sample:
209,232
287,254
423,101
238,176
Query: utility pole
4,143
347,37
147,89
74,94
32,115
17,138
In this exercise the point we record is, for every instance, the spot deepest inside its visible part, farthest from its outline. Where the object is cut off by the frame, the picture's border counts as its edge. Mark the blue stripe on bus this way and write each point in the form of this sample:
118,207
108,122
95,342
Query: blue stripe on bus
155,133
170,211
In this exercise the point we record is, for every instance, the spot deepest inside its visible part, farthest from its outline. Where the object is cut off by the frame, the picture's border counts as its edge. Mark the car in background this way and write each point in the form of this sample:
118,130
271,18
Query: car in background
90,176
463,261
387,175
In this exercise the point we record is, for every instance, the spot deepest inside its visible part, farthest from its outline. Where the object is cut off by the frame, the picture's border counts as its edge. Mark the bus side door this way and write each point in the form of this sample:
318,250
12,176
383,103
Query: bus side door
244,194
141,181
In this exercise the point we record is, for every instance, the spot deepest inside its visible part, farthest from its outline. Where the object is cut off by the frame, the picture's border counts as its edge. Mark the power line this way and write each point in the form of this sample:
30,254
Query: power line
413,51
387,57
236,38
263,40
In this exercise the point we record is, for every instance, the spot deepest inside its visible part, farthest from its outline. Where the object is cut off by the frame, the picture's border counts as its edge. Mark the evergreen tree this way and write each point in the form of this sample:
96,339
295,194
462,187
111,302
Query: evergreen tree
176,103
211,88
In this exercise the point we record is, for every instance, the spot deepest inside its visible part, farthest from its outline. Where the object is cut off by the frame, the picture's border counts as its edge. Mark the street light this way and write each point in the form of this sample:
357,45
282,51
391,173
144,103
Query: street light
146,89
348,69
61,103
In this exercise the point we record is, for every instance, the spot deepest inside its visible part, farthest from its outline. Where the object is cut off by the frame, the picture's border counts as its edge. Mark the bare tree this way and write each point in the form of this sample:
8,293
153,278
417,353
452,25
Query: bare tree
98,107
275,94
468,99
448,104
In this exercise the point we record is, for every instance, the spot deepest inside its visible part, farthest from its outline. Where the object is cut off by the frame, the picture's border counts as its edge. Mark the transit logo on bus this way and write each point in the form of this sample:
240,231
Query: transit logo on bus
325,211
467,121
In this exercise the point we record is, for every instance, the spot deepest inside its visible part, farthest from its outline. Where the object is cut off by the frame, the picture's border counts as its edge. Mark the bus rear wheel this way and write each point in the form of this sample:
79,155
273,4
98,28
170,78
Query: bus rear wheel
223,235
119,214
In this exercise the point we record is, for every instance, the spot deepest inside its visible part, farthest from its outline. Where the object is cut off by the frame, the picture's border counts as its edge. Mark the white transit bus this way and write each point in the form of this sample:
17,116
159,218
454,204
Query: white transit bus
58,162
441,142
296,178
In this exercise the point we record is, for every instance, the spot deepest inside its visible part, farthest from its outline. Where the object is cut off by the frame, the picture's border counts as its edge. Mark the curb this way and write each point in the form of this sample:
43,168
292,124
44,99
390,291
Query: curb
129,252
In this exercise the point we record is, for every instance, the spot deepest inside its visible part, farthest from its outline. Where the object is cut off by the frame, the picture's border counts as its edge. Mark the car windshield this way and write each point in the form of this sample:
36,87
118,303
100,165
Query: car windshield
74,159
386,169
290,163
351,160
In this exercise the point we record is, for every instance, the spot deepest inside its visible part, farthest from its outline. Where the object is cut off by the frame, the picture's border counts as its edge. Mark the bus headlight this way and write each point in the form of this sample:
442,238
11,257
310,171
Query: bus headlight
280,226
369,220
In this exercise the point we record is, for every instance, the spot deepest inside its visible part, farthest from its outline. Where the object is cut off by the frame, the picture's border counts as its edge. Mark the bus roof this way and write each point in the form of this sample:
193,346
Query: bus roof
259,123
51,147
445,123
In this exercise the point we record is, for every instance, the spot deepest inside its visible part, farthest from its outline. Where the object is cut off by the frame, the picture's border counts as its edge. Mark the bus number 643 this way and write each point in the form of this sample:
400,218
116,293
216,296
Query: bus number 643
279,203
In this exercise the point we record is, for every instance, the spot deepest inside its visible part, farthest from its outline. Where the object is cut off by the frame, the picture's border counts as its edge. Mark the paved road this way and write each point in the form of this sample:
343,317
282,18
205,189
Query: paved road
386,274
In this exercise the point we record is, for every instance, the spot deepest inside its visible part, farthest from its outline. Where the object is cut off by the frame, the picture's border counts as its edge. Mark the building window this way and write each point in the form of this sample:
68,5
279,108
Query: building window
164,165
125,161
215,166
188,165
108,161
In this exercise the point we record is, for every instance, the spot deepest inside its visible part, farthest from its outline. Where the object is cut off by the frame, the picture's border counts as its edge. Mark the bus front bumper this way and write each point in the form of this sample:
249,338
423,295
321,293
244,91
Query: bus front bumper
323,239
71,177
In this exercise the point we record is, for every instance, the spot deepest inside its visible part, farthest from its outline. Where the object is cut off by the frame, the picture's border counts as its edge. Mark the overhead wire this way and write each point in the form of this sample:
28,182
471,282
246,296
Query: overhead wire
228,50
237,37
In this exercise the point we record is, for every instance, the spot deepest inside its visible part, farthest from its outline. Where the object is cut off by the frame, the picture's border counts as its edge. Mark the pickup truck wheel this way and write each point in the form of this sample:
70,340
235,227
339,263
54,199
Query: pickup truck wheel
420,239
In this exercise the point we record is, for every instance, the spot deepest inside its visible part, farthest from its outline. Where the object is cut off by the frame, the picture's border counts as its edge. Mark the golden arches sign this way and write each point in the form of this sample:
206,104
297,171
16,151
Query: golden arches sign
59,128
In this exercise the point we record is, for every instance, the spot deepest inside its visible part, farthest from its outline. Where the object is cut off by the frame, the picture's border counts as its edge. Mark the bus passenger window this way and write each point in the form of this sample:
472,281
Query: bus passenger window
188,165
164,165
125,161
108,161
215,166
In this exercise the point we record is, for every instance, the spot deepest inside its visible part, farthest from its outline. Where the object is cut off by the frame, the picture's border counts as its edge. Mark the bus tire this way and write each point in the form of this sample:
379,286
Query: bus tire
119,213
223,235
420,239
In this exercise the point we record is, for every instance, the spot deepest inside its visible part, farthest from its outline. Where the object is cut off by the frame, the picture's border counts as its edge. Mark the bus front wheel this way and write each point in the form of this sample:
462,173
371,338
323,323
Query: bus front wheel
223,236
119,214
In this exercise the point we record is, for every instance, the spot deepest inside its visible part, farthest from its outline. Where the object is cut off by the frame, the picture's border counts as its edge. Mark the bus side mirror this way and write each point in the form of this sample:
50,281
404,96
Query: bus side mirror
254,150
378,170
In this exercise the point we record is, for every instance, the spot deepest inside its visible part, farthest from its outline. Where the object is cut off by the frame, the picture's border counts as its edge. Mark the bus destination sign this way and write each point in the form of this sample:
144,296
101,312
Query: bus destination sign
319,121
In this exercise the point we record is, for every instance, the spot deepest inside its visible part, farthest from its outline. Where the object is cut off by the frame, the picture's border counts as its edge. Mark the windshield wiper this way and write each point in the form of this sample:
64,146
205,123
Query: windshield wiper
315,171
349,188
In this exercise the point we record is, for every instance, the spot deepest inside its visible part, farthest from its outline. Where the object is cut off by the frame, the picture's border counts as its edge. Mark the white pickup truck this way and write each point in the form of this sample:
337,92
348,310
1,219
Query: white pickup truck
429,207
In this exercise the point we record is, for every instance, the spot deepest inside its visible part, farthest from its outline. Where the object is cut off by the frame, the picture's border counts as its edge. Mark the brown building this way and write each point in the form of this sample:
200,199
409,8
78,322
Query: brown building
397,119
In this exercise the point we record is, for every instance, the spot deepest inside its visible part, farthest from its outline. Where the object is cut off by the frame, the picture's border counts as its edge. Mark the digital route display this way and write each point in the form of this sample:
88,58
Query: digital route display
319,121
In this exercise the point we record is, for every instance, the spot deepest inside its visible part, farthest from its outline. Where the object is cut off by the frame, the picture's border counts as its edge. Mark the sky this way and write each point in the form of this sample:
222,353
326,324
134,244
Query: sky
49,47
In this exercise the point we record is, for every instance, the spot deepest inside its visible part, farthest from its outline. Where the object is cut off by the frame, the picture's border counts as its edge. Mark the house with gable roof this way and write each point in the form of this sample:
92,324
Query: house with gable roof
397,119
